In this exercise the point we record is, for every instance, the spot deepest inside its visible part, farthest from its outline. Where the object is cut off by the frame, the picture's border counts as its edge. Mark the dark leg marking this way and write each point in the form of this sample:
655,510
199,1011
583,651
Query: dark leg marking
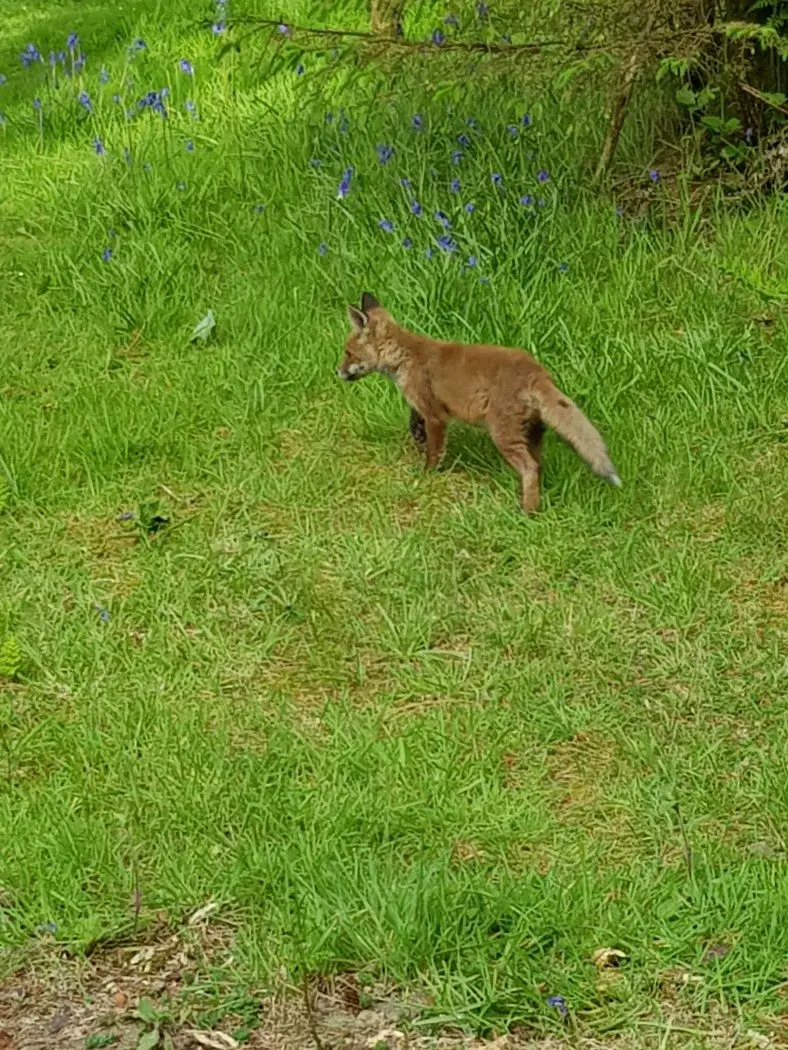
418,428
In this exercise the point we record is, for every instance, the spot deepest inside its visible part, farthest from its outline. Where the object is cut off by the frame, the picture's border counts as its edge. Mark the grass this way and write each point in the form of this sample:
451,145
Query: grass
386,721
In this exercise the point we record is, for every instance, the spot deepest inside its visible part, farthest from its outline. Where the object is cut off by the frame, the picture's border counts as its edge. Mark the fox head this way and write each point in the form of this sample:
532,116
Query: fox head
363,345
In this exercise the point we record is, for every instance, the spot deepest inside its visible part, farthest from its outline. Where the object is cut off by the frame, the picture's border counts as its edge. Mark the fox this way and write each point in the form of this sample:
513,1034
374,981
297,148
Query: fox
506,390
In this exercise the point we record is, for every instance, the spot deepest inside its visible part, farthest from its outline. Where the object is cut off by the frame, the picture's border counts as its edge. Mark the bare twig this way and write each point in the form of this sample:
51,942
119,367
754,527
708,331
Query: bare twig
761,97
310,1015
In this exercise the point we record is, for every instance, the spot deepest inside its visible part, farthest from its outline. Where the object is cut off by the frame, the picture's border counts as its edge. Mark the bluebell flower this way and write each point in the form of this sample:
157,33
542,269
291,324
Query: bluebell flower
526,200
186,67
417,122
344,185
525,120
463,140
154,100
138,45
654,175
446,244
416,208
300,69
30,55
106,255
190,107
563,267
619,210
36,103
542,202
559,1003
98,146
79,63
470,208
471,122
189,145
456,156
259,209
218,27
3,79
103,75
404,183
322,248
103,613
385,153
284,29
84,100
329,117
72,41
61,57
451,20
496,178
443,219
53,59
454,185
472,261
482,11
438,37
428,253
543,175
407,242
513,130
386,225
506,38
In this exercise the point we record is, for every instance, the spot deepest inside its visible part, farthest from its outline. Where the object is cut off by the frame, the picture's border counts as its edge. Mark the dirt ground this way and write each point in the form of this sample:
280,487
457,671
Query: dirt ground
171,990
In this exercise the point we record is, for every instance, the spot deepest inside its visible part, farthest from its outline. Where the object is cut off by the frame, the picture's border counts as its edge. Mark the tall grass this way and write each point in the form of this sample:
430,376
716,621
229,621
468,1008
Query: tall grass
386,721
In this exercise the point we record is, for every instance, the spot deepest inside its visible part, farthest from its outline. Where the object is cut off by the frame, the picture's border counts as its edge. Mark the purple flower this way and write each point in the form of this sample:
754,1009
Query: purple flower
451,20
438,37
189,145
496,178
30,55
344,185
416,209
525,120
443,219
98,146
283,29
190,107
79,63
53,59
482,10
106,255
559,1003
456,156
329,117
428,254
417,122
543,175
72,41
470,208
526,200
386,225
463,140
218,27
654,175
36,103
84,100
446,244
322,248
300,69
385,153
471,122
472,261
138,45
104,75
259,209
513,130
563,267
407,243
103,613
186,67
454,185
405,183
154,100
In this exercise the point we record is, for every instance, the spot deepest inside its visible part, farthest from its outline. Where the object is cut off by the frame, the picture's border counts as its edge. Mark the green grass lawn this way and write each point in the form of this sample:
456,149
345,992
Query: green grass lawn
386,721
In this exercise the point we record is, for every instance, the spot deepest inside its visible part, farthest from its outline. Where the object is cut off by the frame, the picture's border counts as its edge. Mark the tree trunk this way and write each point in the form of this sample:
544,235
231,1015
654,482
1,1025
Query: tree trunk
386,17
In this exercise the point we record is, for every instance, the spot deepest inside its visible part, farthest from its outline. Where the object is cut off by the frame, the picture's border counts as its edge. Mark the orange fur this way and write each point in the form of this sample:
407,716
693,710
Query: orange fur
507,390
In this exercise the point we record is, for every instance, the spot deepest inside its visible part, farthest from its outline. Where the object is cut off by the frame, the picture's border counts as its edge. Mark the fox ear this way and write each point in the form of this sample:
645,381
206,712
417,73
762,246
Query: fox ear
357,318
368,302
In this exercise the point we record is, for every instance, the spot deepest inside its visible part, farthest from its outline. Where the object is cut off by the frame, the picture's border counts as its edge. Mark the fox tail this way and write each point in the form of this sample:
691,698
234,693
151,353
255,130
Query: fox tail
566,419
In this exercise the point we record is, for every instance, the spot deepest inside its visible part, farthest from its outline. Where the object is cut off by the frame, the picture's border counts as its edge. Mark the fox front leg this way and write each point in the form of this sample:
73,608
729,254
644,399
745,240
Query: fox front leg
418,429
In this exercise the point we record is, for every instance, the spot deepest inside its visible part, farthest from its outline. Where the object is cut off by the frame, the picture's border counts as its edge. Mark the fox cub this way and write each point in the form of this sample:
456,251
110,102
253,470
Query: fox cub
505,389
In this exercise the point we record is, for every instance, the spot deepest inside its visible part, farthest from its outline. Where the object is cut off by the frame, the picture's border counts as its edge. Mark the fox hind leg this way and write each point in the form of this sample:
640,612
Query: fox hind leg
520,444
418,429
